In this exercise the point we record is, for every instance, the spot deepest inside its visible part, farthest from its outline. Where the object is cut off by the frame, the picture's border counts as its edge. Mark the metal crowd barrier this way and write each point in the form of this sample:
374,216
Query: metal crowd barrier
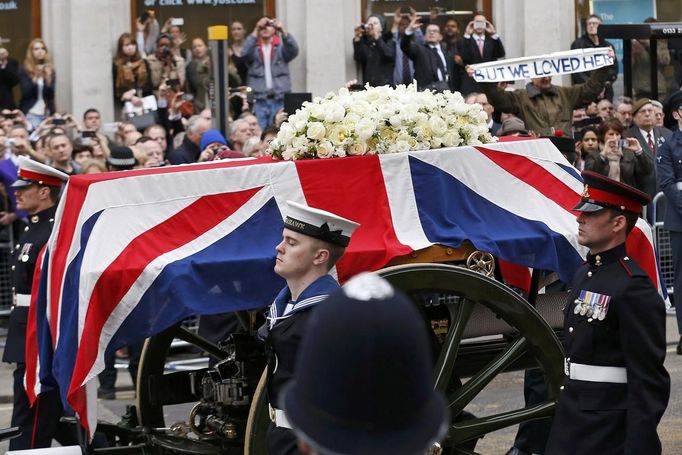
662,242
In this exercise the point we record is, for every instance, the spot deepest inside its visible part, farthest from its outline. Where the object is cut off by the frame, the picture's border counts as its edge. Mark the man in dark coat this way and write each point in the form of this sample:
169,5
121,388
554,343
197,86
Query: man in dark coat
669,172
479,44
313,241
617,388
434,67
9,77
374,51
649,136
189,151
37,190
591,39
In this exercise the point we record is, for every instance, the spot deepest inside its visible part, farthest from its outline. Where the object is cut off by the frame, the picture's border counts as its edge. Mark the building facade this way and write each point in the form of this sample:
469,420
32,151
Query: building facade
82,34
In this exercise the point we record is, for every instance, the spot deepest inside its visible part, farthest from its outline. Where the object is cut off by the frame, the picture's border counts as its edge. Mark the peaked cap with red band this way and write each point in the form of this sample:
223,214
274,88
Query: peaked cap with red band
602,192
32,172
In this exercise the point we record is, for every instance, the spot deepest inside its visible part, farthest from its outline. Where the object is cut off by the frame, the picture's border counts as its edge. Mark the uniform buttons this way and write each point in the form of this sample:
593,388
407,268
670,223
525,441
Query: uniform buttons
26,229
14,267
16,247
570,330
561,388
589,274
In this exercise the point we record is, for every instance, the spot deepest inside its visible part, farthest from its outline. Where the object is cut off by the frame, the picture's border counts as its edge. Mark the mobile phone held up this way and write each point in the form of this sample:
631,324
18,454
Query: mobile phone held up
178,21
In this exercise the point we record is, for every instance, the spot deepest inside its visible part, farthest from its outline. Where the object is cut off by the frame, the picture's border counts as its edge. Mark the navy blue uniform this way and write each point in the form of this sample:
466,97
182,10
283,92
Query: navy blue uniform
49,404
669,173
285,329
627,331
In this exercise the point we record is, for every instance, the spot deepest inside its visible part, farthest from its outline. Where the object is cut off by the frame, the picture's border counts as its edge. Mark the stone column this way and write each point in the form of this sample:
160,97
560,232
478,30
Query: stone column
82,35
324,31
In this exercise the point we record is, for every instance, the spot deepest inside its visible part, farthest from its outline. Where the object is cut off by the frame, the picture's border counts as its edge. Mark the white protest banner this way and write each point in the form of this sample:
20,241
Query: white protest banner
566,62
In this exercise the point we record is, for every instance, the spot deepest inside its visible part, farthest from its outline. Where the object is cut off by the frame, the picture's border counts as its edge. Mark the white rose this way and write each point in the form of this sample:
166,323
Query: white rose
451,139
350,120
289,154
317,111
299,142
334,112
365,129
286,134
438,125
357,148
316,131
402,146
325,149
338,134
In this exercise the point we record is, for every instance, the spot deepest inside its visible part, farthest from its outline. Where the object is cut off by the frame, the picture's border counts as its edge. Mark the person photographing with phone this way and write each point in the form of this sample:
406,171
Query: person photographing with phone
164,65
37,82
267,52
374,51
479,44
622,160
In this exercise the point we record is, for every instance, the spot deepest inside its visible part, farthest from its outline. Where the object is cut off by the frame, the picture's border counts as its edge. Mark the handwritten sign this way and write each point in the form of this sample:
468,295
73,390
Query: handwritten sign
567,62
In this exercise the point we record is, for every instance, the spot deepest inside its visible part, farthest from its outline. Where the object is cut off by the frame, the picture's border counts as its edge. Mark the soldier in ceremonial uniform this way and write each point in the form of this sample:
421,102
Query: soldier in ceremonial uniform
313,241
37,192
616,388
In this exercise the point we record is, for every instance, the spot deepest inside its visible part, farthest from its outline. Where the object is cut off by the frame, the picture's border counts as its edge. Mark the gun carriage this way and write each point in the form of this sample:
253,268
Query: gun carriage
480,327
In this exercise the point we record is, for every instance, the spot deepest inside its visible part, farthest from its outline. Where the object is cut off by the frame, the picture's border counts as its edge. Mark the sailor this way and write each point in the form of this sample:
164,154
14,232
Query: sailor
37,191
313,241
616,386
370,392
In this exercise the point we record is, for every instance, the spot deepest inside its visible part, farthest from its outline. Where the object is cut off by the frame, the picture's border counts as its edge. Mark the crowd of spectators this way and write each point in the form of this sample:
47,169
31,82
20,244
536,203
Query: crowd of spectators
163,82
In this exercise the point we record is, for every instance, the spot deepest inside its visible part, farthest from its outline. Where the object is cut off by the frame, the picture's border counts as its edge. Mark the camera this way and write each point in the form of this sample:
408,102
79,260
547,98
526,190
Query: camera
271,22
363,27
58,121
178,21
10,142
479,24
622,144
10,116
88,134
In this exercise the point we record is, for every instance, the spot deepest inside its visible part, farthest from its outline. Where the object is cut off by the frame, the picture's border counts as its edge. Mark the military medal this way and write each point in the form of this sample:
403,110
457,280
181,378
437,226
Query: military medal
592,305
25,250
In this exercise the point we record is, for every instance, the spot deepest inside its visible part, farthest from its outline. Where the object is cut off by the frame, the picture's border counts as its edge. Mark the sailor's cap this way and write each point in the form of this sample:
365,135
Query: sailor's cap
318,223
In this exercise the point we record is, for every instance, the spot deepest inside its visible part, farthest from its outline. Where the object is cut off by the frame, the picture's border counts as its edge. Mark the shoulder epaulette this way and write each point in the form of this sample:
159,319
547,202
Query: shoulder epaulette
631,267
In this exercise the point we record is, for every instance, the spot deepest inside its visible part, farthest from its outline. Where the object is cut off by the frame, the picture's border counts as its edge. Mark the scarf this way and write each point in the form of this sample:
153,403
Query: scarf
130,75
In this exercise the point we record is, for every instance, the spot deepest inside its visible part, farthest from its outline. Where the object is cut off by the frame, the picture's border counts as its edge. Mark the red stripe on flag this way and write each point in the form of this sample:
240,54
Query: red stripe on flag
77,191
354,188
640,249
113,284
534,175
65,229
31,349
637,244
515,275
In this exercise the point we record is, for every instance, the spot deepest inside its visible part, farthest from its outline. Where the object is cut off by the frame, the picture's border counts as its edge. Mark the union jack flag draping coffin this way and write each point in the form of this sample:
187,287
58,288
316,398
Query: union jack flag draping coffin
134,252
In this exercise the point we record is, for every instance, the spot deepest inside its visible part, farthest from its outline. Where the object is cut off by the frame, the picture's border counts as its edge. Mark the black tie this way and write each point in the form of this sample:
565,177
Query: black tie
439,65
407,77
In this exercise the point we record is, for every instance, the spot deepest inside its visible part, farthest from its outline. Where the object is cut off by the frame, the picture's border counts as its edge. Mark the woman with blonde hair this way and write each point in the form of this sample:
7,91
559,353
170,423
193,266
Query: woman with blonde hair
37,82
